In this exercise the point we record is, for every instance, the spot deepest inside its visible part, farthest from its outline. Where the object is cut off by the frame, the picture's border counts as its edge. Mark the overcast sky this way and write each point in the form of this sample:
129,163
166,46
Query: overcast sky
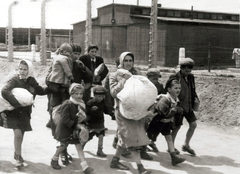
60,14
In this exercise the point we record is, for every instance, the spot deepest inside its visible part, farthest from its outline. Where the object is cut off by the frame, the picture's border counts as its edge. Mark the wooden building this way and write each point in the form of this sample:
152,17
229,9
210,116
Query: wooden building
119,28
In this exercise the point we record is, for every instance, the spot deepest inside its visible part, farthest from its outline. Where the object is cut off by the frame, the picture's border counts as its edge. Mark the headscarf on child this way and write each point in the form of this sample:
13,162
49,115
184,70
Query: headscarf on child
82,134
81,105
30,67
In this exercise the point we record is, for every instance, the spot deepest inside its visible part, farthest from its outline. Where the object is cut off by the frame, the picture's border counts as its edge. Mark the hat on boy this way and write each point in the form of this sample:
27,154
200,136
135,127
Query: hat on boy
187,62
153,72
99,89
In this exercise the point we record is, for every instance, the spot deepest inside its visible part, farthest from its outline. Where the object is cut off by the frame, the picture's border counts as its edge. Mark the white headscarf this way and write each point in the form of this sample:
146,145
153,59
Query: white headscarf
122,56
30,67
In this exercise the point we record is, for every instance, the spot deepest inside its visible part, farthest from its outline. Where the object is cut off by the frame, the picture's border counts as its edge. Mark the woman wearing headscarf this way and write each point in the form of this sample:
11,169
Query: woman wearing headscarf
131,133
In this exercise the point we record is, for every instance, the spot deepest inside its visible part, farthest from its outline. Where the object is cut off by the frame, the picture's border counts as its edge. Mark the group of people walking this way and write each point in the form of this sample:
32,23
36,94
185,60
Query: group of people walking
81,90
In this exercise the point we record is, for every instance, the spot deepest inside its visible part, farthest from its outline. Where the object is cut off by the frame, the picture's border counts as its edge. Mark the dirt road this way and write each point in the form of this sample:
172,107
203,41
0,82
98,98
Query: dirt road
217,150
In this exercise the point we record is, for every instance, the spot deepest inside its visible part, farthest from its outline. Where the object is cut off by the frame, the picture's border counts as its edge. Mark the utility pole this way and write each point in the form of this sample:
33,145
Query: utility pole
29,38
88,33
10,32
153,36
43,49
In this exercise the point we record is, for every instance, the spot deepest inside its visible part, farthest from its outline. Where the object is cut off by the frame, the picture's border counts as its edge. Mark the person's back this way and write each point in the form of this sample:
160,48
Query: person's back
61,70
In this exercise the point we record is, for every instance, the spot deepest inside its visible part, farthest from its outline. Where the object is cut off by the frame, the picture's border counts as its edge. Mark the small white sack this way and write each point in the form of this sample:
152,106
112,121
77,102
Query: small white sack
99,69
23,96
56,114
136,97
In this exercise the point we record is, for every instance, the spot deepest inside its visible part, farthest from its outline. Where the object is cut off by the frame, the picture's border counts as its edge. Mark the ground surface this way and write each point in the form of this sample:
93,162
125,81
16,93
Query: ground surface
216,140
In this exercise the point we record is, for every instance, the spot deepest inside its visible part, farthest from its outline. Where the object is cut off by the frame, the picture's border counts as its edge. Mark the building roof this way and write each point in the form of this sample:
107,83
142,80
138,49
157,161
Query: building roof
191,20
144,12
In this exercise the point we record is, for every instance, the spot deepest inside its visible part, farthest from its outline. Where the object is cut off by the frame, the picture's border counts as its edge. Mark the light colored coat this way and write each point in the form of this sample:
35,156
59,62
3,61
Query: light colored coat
61,70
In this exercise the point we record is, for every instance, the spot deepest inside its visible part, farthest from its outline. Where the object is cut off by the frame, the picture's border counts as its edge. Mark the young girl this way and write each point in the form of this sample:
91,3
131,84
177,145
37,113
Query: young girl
66,128
167,108
19,118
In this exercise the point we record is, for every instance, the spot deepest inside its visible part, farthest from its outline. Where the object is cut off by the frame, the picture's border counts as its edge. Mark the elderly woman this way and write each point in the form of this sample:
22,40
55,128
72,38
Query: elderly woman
131,133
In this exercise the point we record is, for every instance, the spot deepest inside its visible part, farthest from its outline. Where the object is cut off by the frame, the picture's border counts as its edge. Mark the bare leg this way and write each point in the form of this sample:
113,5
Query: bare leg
58,151
170,143
100,147
137,159
174,133
83,162
18,139
190,132
119,151
80,152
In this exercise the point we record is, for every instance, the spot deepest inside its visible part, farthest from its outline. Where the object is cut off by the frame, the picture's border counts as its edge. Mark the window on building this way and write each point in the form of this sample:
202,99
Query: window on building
170,13
177,14
146,11
227,17
136,11
186,14
213,16
195,15
207,16
162,12
234,18
220,16
200,16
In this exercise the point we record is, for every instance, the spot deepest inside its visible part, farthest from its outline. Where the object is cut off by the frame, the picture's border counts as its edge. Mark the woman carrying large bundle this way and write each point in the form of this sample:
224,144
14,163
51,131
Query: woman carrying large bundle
131,132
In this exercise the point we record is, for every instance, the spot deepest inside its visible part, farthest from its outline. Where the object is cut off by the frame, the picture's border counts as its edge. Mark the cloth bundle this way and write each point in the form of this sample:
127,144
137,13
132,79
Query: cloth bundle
136,97
23,96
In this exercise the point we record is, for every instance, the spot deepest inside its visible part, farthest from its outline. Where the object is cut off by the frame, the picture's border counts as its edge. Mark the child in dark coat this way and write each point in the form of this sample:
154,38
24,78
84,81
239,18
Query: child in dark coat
95,110
19,118
69,122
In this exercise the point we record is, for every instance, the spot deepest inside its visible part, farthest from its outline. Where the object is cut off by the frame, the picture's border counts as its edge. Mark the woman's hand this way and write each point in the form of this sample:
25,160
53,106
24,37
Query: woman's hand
126,76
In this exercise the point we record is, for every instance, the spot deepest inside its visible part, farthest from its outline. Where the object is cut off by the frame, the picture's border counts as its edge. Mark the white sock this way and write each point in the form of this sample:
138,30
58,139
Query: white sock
84,165
55,158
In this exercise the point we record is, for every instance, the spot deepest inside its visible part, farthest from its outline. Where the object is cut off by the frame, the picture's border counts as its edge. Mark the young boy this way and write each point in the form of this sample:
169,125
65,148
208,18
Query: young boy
153,74
95,110
167,108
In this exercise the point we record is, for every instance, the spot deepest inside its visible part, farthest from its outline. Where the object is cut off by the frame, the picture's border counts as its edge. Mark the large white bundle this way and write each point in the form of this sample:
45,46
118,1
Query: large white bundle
136,97
23,96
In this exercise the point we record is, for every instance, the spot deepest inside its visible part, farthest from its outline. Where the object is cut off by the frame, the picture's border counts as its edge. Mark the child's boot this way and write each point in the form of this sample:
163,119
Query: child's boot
64,158
117,165
88,170
55,165
144,154
175,159
100,152
69,157
142,170
115,140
